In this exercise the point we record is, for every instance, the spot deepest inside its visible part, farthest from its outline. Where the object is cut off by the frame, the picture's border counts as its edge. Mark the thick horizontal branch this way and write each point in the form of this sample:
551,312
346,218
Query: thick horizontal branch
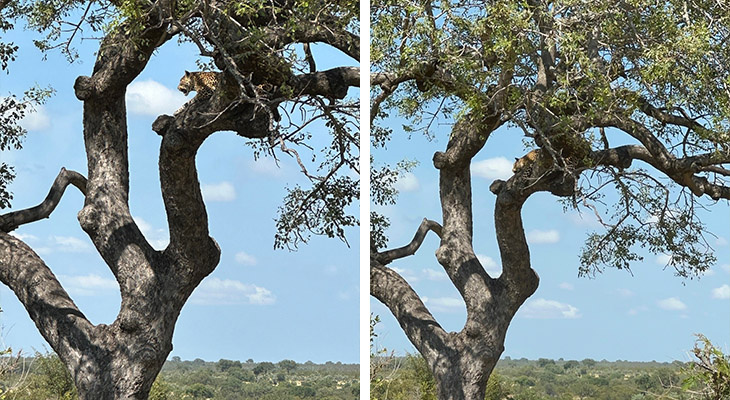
12,220
622,156
278,37
332,83
410,249
680,170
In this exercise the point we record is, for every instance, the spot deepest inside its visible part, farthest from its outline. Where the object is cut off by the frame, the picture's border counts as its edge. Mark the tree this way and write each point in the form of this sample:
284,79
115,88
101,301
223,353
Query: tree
628,101
497,388
224,365
263,368
287,365
263,51
709,374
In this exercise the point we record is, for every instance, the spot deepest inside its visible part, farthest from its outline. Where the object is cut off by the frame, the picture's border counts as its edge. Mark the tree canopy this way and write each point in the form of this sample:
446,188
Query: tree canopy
647,82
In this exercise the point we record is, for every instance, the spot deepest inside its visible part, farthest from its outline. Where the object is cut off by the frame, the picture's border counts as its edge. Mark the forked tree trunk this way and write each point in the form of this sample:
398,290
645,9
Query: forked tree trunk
462,362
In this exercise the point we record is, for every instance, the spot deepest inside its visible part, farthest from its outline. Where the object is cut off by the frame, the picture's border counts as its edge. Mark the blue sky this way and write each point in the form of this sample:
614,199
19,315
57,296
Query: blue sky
649,316
259,303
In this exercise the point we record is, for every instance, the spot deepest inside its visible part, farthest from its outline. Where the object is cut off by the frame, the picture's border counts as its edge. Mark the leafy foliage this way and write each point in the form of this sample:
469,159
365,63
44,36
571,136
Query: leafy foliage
710,373
13,109
655,71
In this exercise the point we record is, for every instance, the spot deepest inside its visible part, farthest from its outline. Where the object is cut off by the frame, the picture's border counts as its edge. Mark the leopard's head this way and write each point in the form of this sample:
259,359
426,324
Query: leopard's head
186,83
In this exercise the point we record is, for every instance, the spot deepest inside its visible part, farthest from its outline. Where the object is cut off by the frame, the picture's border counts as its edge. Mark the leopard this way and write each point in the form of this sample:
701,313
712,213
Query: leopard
526,163
206,83
202,82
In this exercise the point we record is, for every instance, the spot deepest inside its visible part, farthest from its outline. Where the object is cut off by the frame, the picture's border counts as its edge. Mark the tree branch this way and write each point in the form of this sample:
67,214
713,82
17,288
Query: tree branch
58,319
682,171
427,225
414,317
12,220
517,274
332,83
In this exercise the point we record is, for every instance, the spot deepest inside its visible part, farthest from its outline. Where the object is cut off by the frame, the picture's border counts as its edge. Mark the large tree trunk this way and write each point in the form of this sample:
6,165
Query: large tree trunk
461,362
121,360
463,377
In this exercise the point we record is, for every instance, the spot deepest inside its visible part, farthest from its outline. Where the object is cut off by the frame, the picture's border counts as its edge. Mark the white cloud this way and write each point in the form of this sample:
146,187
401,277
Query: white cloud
536,236
548,309
446,304
637,310
624,292
152,98
407,183
215,291
663,259
88,285
726,268
70,244
566,286
266,166
490,265
672,304
26,237
158,238
245,258
37,120
721,241
723,292
435,275
223,191
407,274
492,168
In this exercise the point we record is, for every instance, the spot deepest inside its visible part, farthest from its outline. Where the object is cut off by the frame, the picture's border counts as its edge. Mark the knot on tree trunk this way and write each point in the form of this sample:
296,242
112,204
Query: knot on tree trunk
84,87
162,124
440,160
497,186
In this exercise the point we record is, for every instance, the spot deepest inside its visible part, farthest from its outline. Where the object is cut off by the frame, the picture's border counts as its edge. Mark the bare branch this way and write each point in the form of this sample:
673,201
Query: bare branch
12,220
427,225
310,58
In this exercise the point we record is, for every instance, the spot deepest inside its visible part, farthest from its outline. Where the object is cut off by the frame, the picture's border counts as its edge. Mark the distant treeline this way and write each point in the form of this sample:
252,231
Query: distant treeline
408,378
44,376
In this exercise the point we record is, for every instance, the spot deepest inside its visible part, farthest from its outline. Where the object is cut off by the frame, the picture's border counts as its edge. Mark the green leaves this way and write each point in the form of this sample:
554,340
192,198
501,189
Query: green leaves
12,111
322,210
655,71
648,215
709,373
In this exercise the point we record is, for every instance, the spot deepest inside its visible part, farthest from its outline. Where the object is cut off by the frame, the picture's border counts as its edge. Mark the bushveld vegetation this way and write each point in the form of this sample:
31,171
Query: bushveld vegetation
705,377
44,377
